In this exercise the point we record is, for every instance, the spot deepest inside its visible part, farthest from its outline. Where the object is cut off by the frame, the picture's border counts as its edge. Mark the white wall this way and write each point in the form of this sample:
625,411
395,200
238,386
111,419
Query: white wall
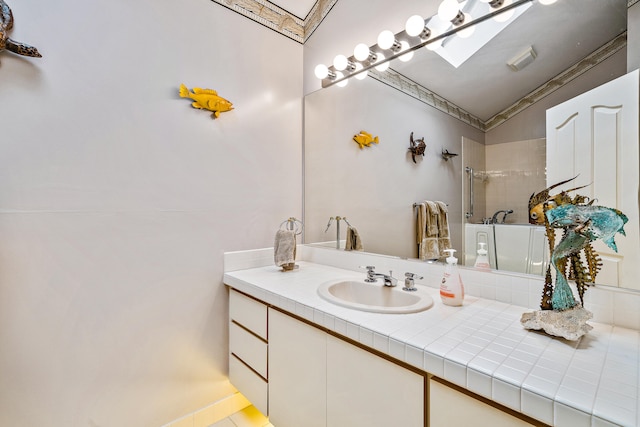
117,200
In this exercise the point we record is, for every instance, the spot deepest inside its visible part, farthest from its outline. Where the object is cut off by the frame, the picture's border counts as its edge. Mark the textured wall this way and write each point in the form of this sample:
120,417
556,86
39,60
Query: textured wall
117,200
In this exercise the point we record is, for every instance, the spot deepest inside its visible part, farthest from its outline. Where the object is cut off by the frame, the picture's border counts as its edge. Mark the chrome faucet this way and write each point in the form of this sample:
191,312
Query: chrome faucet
494,218
372,276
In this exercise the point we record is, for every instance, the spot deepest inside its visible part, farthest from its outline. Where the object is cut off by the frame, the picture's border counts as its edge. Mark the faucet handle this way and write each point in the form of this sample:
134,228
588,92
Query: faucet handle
409,284
370,273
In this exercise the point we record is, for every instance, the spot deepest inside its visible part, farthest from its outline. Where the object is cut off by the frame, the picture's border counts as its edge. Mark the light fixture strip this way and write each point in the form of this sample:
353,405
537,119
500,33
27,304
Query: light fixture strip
402,35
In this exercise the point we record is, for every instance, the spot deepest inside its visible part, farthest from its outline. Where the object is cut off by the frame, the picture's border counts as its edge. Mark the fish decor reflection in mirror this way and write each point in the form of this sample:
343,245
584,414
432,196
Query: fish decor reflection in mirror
417,147
365,139
207,99
582,224
6,24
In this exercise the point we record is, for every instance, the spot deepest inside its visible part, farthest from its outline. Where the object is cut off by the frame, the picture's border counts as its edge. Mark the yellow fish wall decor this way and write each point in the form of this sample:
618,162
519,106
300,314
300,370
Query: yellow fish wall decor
207,99
364,139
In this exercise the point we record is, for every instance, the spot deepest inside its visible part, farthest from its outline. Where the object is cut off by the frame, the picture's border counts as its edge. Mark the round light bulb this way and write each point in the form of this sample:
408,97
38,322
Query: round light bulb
407,56
467,32
448,10
340,62
362,75
361,52
343,83
382,67
386,39
414,25
505,16
321,71
546,2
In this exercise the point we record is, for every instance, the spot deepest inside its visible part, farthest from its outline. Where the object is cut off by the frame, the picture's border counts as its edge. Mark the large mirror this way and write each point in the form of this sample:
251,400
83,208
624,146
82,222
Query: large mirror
375,188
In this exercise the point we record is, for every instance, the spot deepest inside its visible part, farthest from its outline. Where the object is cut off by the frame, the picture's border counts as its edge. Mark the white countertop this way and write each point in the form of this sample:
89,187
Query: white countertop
480,346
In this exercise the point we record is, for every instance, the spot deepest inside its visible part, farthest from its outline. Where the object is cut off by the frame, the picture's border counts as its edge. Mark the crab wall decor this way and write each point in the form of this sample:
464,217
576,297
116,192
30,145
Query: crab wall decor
417,147
573,258
6,43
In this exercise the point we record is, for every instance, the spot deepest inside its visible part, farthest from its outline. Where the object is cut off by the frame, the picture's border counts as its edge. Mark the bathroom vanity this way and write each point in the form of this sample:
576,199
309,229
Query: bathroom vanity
302,360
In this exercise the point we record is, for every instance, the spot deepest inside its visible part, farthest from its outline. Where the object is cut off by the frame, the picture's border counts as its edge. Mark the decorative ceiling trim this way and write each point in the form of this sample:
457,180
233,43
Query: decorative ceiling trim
558,81
268,14
319,10
631,2
421,93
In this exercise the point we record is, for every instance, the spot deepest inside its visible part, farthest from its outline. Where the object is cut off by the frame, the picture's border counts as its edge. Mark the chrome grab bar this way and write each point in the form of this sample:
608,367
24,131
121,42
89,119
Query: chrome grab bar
469,170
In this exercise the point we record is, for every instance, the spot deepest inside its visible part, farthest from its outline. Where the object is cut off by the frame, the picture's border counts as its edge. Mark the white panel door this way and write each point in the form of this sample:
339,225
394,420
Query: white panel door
595,136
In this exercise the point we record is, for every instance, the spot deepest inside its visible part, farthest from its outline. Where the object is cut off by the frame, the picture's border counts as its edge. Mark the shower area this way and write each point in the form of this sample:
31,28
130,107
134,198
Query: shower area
497,182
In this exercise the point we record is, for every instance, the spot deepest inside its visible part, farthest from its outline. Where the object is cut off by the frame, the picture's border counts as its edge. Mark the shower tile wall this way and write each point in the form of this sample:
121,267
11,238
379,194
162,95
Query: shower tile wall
514,171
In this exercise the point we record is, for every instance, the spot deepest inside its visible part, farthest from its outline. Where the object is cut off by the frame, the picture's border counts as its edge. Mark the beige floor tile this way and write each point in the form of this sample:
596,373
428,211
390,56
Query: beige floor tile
249,417
224,423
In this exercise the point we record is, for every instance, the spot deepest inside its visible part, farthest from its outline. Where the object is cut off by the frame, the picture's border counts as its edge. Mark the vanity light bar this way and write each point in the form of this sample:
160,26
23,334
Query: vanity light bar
376,56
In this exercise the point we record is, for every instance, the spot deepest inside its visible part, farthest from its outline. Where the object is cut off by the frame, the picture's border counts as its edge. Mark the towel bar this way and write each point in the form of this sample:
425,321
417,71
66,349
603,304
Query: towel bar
469,170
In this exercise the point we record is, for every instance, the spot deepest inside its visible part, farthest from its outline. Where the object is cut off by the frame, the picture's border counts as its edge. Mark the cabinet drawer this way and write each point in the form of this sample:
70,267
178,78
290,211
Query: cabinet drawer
254,388
248,348
249,313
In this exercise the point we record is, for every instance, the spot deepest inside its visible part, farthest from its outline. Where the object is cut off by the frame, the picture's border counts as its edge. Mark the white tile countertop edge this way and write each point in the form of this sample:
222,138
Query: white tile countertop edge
480,346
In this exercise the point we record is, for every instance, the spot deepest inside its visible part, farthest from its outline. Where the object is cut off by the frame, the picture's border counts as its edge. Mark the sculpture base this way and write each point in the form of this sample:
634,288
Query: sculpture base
570,324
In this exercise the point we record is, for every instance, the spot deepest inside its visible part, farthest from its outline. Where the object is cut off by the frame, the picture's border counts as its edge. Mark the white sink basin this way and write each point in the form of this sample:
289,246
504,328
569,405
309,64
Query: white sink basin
374,297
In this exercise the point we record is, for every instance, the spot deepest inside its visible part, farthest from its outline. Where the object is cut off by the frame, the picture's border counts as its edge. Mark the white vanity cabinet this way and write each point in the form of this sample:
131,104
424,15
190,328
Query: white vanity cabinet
366,390
301,375
316,379
248,348
298,372
449,407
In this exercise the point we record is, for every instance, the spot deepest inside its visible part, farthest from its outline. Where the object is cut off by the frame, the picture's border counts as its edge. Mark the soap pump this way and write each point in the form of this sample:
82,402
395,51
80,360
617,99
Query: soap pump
482,262
451,288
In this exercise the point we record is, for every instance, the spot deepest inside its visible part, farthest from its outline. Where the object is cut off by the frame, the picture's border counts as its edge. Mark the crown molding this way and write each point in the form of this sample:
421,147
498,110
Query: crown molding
268,14
318,12
409,87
